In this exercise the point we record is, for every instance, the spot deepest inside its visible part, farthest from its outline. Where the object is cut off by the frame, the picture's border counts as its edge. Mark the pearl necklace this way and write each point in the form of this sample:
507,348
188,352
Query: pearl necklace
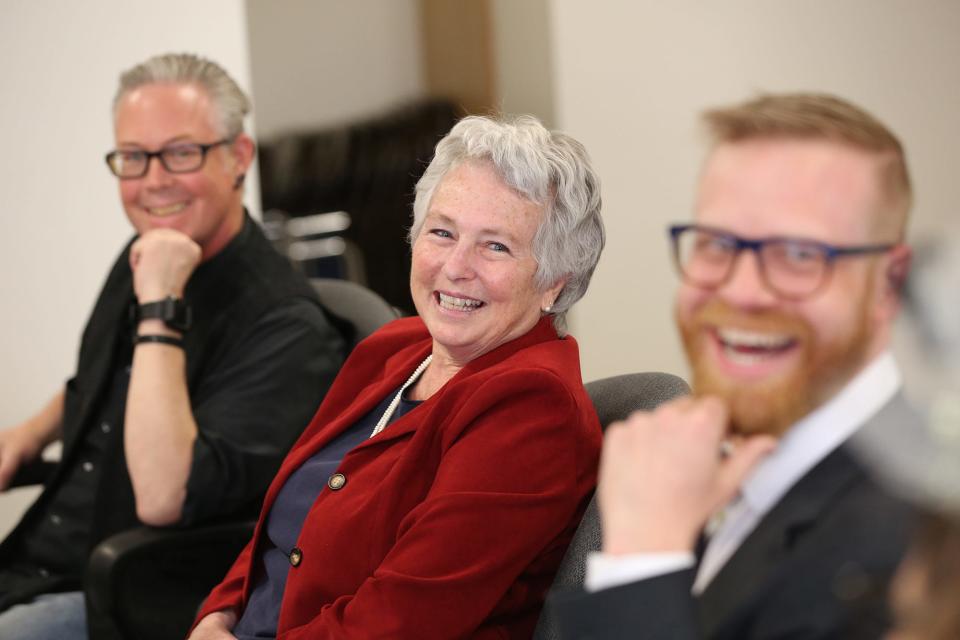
392,407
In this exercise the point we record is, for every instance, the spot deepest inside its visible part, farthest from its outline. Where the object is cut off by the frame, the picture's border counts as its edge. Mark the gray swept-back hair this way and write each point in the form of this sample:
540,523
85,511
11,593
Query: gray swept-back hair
548,168
229,99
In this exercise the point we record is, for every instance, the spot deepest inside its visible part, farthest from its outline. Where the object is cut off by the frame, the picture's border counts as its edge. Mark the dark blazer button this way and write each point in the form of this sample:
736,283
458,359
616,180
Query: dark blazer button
337,481
296,557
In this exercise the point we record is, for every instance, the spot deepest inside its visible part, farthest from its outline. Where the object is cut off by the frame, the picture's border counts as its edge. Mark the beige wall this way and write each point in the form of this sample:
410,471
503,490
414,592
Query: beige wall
522,57
630,77
458,52
318,63
62,225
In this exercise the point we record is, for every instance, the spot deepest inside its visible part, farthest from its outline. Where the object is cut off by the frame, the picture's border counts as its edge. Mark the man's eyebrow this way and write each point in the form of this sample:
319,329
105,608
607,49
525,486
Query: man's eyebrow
166,143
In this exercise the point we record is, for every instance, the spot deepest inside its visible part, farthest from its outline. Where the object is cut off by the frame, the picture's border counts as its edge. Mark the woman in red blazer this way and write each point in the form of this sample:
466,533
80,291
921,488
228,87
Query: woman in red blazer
437,487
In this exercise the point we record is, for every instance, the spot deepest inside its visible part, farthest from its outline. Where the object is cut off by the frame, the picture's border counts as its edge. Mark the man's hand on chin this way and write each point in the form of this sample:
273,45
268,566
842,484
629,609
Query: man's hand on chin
662,474
162,261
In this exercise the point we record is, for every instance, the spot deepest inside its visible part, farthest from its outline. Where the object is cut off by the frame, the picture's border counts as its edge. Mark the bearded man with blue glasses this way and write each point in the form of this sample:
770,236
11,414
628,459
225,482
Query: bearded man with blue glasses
739,513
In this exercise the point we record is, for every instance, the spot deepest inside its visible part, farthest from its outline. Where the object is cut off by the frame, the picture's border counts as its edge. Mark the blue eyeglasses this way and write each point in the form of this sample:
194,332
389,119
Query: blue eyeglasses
792,268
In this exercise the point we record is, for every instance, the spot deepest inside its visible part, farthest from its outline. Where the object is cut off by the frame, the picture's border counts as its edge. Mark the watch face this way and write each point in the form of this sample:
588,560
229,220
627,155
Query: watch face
174,312
181,317
184,319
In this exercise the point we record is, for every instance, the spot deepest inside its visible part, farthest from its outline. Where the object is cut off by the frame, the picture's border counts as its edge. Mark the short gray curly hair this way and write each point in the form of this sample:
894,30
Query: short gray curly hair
548,168
231,102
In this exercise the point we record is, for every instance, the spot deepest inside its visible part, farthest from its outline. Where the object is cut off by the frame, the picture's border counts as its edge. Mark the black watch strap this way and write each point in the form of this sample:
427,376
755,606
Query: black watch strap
174,312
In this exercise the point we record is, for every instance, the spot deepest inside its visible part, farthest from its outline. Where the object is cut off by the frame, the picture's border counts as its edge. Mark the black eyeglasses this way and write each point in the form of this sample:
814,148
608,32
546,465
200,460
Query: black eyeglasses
177,158
792,268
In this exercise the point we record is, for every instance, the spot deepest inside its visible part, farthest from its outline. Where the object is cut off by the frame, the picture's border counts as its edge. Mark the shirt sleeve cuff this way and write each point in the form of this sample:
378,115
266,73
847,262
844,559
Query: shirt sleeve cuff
605,571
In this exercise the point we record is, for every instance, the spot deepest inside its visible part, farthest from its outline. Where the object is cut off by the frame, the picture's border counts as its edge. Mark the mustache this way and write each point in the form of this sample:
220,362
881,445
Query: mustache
719,313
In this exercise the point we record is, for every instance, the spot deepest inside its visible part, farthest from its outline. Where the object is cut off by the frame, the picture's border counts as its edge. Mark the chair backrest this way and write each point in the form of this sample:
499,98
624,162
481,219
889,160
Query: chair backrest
356,304
614,399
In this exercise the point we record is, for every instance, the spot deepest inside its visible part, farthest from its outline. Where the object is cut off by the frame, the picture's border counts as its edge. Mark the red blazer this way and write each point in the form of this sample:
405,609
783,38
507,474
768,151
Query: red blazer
453,519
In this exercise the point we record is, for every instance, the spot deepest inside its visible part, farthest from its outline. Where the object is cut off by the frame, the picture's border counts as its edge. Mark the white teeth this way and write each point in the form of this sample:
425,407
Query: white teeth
168,210
458,304
750,339
742,358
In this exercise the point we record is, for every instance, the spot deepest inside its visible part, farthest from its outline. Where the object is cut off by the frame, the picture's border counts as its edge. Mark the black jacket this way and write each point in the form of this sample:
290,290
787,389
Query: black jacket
816,567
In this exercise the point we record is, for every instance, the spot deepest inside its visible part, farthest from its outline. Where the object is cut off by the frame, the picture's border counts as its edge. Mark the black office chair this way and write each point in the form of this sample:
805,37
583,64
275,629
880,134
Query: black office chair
614,399
147,583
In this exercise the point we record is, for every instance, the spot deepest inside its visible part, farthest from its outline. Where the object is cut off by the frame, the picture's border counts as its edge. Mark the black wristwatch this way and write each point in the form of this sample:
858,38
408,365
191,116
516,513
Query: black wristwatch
174,312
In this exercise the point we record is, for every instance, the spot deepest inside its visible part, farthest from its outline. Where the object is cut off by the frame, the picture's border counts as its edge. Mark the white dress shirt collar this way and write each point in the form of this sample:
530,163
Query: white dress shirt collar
818,433
802,447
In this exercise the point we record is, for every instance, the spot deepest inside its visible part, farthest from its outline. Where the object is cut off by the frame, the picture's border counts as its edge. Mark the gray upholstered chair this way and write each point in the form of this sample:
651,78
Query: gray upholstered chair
614,399
356,304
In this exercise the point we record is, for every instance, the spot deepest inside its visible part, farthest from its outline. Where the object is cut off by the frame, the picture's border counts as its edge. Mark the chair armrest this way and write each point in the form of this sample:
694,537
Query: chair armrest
148,583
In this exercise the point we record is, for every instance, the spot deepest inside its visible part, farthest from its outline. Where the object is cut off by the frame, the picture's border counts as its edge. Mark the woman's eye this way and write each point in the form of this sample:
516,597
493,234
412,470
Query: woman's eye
499,247
440,233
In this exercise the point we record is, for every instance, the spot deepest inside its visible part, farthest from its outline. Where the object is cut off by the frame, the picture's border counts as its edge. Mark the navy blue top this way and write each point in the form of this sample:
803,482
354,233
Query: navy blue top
285,520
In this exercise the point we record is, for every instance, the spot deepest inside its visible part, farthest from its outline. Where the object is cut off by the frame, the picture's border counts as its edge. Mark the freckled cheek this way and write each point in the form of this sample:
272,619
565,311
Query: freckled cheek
422,271
512,288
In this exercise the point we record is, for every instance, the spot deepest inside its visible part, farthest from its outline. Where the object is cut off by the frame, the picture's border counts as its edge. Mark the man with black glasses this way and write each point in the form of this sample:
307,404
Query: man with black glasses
205,355
739,513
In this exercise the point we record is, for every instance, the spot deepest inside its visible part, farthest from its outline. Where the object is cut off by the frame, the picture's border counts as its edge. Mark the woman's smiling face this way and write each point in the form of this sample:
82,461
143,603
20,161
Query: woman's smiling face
472,276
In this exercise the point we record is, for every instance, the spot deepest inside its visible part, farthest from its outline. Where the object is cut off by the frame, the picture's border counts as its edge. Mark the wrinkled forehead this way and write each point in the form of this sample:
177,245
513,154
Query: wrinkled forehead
818,189
478,189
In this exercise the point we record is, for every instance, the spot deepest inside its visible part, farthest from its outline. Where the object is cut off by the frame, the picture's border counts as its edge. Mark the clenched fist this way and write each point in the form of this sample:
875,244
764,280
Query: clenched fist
662,475
162,261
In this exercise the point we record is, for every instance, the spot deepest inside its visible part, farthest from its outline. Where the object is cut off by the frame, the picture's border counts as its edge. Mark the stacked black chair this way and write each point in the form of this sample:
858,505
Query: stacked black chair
368,169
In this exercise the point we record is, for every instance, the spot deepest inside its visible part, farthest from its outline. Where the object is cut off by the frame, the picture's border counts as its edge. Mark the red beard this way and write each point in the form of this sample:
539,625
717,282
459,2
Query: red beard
772,404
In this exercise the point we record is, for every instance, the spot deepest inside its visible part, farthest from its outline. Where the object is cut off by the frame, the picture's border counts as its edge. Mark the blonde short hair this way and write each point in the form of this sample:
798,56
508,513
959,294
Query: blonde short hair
822,116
